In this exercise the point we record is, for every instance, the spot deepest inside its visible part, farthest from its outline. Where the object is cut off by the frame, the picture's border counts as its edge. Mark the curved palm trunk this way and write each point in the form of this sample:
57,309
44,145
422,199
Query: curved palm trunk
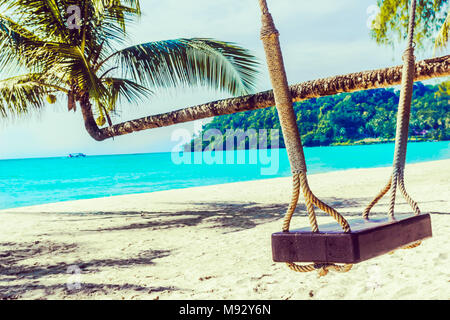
89,121
372,79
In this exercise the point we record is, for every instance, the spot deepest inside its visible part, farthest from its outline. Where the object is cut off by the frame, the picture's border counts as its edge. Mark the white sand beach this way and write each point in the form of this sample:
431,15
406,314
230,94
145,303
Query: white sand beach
214,243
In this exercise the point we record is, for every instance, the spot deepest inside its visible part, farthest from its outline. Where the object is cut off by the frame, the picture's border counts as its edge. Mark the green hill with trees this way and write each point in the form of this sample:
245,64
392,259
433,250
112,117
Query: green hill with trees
348,118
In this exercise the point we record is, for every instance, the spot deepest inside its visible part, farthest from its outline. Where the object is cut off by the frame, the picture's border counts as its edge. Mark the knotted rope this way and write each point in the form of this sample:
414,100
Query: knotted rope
401,135
300,181
378,197
322,269
283,101
268,26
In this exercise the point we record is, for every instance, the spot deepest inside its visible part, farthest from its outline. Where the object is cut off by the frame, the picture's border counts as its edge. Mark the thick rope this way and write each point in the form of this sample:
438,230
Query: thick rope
263,6
377,198
407,197
300,179
411,23
393,193
282,95
412,203
401,136
301,268
412,245
293,204
318,203
403,116
268,28
311,215
322,269
283,101
404,109
401,185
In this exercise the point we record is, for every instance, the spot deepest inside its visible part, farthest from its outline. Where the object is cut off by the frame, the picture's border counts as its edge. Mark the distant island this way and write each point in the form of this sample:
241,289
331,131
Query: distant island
361,117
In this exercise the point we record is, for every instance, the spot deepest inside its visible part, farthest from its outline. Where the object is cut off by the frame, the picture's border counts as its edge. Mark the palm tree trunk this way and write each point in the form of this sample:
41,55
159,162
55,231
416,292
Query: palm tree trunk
89,121
381,78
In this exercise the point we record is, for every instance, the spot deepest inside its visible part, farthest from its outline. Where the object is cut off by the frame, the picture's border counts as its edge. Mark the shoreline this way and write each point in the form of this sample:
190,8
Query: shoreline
213,242
15,209
337,144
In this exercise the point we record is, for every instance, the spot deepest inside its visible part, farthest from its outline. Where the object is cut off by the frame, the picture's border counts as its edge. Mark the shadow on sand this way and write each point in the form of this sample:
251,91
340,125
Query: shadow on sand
230,217
12,269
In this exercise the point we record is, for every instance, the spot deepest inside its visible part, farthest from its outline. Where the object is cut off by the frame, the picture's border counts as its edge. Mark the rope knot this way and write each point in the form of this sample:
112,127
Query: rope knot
322,269
408,55
268,26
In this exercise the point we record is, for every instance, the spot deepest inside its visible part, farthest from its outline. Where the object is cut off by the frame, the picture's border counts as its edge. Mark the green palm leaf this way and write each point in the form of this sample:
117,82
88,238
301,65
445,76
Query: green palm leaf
83,62
19,95
443,34
129,90
195,61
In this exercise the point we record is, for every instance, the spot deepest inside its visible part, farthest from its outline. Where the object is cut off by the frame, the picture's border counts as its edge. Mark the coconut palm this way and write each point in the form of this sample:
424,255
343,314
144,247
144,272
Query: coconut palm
442,37
432,23
82,65
67,49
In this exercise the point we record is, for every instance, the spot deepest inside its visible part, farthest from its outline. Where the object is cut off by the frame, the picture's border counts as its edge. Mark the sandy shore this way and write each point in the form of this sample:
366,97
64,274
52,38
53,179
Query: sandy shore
214,243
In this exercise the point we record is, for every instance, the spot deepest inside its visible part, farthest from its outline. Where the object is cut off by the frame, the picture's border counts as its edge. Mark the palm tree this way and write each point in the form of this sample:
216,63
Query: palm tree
432,23
371,79
82,65
442,36
59,56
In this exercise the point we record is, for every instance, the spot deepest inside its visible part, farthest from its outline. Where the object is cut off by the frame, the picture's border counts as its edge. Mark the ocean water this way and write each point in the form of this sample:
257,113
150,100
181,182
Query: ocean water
26,182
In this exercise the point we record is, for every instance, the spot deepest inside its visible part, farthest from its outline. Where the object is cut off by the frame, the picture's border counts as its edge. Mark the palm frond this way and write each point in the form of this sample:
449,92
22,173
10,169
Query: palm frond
35,36
15,40
77,69
119,11
443,35
216,64
18,95
45,16
119,88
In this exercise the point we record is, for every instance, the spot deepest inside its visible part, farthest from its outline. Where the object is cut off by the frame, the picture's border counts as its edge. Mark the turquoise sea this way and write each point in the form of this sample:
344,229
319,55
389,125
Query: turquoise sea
26,182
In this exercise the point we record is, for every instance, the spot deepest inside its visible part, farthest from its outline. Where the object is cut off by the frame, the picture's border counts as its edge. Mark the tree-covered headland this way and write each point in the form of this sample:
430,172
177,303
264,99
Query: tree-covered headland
348,118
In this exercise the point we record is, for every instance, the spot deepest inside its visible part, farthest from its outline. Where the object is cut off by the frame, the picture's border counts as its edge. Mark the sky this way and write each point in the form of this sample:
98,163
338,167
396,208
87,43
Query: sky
318,38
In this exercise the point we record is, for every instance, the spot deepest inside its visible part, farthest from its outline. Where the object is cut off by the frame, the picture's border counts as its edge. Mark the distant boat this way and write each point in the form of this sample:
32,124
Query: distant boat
77,155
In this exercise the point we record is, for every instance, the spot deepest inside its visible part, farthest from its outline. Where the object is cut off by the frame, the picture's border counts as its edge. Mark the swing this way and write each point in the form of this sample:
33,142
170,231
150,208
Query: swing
344,242
367,239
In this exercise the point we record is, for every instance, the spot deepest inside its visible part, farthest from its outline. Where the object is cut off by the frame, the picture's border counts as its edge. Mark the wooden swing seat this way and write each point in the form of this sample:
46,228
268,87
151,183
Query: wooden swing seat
367,239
